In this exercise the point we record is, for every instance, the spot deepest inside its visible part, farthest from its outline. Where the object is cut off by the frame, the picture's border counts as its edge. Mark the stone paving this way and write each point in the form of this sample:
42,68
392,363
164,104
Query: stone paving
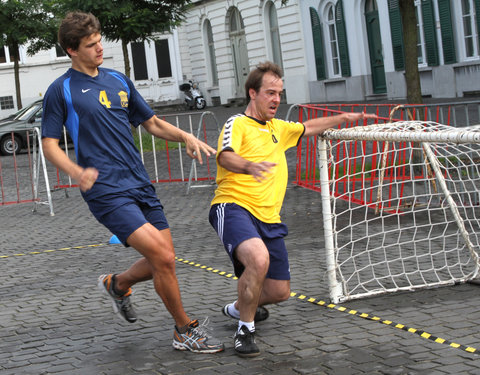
53,320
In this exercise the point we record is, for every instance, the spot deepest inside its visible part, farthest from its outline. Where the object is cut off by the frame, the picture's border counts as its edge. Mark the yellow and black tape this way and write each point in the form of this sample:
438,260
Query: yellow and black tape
300,297
403,327
50,251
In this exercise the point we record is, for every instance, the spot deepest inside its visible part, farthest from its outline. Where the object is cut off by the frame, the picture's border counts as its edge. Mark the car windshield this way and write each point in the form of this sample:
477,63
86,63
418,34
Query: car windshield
26,113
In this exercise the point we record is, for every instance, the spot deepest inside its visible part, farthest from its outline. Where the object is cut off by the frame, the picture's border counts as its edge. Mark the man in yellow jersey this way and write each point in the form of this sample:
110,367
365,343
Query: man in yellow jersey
252,177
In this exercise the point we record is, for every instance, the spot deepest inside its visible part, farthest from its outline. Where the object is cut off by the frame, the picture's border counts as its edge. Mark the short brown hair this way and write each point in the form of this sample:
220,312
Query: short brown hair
255,77
76,26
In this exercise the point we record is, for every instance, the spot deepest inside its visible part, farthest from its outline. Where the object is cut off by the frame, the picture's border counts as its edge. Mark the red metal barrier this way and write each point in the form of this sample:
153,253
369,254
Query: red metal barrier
307,175
16,177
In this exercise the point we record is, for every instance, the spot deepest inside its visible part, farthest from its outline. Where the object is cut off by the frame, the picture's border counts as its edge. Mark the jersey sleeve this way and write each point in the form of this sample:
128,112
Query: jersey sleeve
54,114
231,136
139,110
291,133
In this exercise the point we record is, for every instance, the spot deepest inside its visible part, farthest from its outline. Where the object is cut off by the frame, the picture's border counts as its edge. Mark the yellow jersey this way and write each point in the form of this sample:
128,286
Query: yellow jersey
256,141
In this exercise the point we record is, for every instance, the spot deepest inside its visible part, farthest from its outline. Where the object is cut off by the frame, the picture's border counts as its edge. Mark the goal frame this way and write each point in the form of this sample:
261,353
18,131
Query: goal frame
408,131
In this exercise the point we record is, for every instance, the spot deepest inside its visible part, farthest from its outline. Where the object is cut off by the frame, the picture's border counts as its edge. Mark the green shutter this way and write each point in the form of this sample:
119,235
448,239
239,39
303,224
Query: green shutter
448,41
342,39
430,33
318,44
397,34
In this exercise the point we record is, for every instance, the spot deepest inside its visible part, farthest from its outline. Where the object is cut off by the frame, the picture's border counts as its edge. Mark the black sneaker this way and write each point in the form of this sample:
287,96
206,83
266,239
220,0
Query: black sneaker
121,304
244,342
260,315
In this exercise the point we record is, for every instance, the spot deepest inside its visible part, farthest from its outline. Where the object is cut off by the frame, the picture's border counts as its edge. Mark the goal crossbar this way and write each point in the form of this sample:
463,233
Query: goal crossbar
407,131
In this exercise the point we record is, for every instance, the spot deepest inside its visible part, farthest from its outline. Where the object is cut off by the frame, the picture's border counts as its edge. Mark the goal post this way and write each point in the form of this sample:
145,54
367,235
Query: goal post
400,206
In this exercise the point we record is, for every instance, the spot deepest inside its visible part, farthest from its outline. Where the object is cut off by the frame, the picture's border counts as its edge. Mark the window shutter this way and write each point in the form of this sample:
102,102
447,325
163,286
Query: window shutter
318,44
397,34
448,41
342,40
429,33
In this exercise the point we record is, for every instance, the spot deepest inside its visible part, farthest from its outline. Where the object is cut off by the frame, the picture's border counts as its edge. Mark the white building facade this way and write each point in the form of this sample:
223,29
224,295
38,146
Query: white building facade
330,50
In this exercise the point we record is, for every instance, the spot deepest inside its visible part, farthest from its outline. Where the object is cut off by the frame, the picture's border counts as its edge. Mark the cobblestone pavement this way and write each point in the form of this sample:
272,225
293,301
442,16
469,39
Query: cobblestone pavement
53,320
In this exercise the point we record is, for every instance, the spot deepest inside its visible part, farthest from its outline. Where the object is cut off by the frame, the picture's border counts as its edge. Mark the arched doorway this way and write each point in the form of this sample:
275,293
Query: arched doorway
375,47
239,51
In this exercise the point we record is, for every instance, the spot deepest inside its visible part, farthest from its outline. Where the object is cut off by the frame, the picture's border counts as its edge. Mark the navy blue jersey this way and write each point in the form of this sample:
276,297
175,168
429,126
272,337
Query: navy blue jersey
97,112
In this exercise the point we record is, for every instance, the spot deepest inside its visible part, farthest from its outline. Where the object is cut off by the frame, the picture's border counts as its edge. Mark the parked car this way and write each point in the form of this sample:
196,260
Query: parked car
20,124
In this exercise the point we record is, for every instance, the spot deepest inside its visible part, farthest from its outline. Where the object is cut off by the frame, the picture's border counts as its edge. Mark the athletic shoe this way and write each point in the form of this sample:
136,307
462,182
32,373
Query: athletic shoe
121,304
197,339
260,315
244,342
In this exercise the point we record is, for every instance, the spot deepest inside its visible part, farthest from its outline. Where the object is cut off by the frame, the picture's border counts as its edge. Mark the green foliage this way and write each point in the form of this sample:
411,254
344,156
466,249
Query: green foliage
132,20
147,146
27,21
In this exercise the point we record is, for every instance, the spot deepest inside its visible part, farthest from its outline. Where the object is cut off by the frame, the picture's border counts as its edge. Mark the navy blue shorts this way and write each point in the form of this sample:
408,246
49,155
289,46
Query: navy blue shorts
123,213
234,224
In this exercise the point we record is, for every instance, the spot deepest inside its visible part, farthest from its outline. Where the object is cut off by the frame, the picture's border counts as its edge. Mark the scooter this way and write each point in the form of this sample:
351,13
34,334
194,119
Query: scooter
193,96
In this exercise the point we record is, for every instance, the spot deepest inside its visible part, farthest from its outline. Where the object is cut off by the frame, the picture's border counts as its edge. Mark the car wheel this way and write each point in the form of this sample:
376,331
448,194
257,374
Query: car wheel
7,147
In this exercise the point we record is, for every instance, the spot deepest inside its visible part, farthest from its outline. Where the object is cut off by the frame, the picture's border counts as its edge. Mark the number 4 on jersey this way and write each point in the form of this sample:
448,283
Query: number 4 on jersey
103,98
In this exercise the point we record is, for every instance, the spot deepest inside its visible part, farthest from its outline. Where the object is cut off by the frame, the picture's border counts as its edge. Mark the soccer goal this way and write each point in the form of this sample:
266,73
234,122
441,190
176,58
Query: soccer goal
401,207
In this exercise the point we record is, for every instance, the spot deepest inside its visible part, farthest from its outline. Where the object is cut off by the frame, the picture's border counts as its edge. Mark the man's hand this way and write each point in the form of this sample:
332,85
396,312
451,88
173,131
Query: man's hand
355,116
196,147
259,170
87,178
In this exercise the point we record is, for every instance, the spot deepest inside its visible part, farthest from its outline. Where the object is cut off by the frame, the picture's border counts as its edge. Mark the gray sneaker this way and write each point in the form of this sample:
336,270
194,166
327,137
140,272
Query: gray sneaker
121,304
197,339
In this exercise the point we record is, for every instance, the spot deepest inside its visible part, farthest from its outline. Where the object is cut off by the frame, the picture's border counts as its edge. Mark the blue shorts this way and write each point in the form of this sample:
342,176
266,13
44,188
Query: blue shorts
123,213
234,224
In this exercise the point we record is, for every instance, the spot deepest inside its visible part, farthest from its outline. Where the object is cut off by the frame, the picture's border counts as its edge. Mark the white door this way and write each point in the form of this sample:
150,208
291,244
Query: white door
239,52
152,70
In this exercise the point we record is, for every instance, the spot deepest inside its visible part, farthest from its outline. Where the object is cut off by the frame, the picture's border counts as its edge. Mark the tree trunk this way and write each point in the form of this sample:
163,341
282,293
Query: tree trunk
412,77
409,23
16,69
126,59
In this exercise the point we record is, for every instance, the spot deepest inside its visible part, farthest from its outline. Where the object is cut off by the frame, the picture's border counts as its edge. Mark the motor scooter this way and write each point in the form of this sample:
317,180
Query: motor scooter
193,96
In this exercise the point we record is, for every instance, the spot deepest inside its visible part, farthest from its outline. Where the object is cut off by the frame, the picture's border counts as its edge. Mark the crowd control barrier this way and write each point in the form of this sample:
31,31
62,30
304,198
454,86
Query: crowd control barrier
22,175
457,114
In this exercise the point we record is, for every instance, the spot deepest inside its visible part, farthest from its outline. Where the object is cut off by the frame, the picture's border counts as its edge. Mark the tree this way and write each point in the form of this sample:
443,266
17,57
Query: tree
131,20
25,22
412,77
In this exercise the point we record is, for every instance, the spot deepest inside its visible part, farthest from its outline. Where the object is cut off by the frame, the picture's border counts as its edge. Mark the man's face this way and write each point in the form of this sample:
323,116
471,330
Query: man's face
90,51
267,99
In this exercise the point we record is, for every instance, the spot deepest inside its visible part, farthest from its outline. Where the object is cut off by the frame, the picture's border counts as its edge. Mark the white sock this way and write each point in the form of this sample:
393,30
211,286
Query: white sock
249,325
233,311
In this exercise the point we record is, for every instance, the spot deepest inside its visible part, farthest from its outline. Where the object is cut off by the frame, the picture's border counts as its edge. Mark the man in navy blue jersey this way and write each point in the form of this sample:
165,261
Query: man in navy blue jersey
98,107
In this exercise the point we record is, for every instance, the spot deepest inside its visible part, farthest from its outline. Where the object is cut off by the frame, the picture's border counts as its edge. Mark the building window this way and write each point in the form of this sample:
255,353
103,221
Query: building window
6,102
470,33
420,34
163,58
212,60
59,51
139,61
332,35
6,56
273,35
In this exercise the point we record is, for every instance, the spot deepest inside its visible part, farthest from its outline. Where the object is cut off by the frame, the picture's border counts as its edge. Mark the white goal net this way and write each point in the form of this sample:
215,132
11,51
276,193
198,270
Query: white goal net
401,207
